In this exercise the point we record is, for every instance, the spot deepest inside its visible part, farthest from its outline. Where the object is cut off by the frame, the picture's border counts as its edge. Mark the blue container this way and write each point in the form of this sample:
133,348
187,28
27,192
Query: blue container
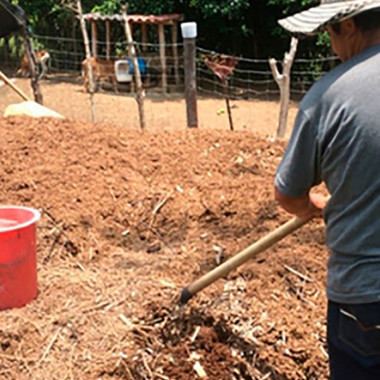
141,63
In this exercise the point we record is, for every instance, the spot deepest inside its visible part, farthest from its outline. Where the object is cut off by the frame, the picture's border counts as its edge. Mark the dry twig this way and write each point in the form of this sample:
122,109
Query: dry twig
304,277
50,345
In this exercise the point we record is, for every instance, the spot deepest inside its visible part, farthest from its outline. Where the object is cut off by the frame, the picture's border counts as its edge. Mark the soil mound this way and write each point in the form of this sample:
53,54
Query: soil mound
128,220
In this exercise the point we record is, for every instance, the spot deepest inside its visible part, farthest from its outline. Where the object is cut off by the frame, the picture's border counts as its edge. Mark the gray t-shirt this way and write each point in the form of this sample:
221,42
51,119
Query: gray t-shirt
336,139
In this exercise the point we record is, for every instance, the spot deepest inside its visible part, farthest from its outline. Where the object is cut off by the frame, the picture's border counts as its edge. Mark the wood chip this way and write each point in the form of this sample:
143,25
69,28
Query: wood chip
199,370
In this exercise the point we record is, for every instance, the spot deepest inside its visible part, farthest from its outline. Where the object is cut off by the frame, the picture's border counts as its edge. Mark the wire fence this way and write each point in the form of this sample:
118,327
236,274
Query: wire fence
251,79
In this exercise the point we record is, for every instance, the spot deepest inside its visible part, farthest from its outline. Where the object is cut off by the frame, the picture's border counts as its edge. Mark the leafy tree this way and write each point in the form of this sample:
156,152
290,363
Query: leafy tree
224,8
135,6
241,27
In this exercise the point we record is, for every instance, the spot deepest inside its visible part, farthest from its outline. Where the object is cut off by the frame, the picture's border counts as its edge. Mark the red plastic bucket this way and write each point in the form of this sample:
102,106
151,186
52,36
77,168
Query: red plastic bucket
18,263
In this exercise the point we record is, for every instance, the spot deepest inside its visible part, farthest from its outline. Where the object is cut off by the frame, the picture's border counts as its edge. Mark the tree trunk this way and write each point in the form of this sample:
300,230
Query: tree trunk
283,81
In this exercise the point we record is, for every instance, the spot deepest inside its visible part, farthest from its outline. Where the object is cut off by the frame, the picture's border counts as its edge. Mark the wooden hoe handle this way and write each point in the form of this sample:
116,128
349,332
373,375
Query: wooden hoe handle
13,86
240,258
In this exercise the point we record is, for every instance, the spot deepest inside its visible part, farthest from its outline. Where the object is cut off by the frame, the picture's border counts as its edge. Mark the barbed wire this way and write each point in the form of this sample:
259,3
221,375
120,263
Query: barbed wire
252,77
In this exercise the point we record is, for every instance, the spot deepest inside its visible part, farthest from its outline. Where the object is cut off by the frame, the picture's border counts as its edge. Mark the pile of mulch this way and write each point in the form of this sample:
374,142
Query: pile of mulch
128,220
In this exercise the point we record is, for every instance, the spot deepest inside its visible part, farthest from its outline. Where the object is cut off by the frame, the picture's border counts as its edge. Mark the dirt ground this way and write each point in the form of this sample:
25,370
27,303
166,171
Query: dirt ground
168,113
129,219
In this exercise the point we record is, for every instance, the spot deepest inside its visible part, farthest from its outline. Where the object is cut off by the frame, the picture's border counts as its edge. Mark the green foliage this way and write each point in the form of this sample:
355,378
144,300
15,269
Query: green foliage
135,6
224,8
239,27
211,8
13,48
108,7
290,7
323,40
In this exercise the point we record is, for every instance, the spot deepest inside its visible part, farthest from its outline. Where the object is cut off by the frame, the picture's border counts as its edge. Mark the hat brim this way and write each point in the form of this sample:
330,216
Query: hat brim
313,20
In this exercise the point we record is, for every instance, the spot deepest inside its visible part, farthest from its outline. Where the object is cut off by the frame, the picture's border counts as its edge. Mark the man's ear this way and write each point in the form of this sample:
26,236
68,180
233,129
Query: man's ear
348,27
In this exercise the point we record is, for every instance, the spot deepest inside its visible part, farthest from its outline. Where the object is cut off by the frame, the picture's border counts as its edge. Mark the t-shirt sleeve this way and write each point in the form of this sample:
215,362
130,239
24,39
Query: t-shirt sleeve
299,169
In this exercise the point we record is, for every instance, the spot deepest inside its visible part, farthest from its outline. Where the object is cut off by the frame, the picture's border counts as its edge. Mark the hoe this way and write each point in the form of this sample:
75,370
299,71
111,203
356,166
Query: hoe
240,258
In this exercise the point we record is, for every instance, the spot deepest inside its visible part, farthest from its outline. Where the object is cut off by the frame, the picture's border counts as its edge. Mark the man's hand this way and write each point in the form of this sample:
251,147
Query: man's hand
316,203
305,206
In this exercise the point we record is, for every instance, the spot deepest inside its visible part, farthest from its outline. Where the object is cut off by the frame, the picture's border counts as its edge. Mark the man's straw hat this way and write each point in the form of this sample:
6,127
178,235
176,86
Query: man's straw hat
328,12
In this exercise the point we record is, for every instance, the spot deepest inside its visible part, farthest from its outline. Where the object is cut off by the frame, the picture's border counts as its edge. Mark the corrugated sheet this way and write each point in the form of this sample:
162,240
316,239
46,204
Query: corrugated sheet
140,19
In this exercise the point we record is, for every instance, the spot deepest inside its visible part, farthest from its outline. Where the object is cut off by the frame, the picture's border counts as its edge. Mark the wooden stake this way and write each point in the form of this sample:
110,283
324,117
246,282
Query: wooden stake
161,35
108,39
190,82
94,38
88,57
136,69
175,52
144,36
32,66
226,91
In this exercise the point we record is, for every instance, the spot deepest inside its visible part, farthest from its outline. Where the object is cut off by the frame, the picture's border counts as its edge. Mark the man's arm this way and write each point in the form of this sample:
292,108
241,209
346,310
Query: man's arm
307,205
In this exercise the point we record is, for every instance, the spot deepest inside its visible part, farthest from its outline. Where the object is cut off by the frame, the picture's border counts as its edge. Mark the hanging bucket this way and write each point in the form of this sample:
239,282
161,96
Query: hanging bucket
18,263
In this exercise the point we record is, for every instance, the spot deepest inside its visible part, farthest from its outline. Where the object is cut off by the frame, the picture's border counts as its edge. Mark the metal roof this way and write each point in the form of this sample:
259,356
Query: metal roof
136,18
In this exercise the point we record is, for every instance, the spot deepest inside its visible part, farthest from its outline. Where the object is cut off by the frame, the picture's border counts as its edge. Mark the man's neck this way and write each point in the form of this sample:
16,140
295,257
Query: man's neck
359,42
369,39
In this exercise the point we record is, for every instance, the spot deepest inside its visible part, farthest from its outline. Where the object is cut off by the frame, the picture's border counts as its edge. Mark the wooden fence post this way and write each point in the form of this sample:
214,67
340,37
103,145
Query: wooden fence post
136,68
283,81
108,39
32,66
94,38
175,52
164,78
189,38
88,58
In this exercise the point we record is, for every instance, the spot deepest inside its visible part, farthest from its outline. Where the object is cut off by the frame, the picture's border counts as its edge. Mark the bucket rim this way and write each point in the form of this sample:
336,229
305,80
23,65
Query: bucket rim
36,217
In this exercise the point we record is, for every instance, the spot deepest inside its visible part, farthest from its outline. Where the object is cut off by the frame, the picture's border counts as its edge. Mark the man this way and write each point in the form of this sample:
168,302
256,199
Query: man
336,140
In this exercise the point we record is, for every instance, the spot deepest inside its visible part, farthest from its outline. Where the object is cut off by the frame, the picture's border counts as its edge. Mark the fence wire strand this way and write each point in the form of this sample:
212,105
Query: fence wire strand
252,77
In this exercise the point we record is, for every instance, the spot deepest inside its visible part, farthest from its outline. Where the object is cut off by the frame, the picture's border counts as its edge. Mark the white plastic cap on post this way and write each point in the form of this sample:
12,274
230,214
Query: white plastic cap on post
189,29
